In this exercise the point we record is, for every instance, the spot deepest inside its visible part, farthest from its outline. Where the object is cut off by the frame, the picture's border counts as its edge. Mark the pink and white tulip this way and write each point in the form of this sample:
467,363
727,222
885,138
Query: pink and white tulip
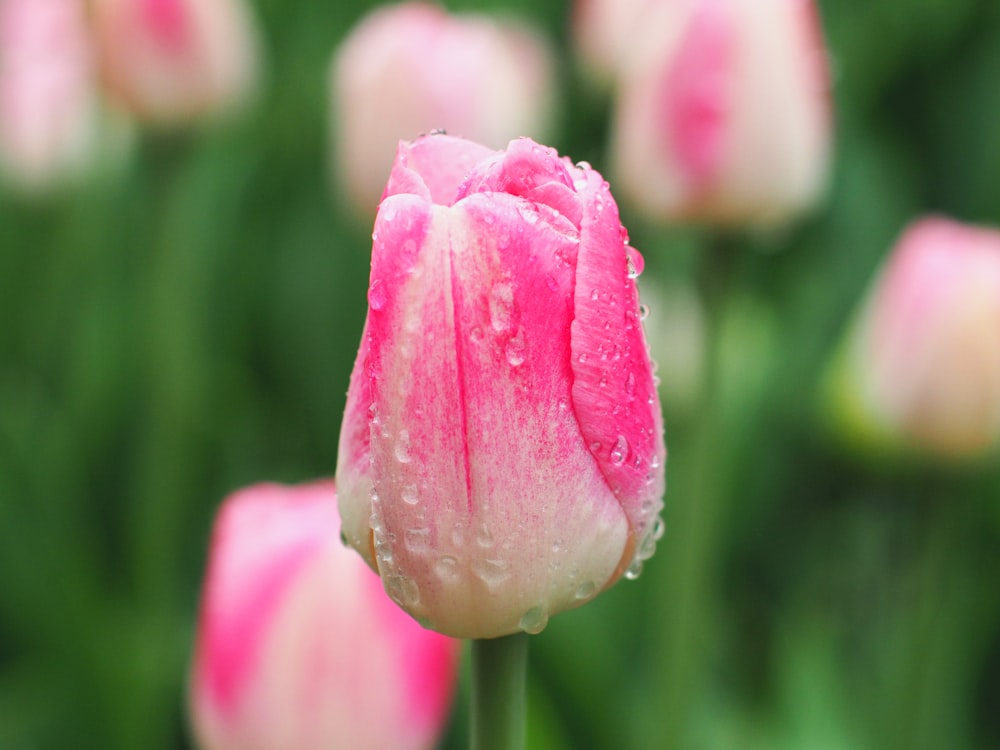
723,112
922,364
48,100
298,646
502,456
412,68
174,61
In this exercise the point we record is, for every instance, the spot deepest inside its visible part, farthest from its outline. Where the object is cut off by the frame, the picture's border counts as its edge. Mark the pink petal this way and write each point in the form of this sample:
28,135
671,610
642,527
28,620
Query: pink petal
614,393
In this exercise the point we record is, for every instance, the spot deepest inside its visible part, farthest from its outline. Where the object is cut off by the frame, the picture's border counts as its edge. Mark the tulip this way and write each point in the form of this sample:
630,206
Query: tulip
723,111
173,61
501,457
298,647
603,32
48,102
921,366
412,68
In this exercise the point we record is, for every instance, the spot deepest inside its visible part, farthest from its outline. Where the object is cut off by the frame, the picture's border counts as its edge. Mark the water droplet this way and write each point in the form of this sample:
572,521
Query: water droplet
491,572
534,620
595,446
446,568
582,358
583,165
402,448
594,294
402,590
659,528
516,351
619,451
388,212
630,385
501,306
376,295
563,404
654,462
458,536
635,262
634,570
647,547
409,494
586,590
484,538
416,540
643,312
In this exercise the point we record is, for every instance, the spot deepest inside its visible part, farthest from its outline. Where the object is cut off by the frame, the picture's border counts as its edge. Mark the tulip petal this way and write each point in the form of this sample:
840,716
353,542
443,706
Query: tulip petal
614,393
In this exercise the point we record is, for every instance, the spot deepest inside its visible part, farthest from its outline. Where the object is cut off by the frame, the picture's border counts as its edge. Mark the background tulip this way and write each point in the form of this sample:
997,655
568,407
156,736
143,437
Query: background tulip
172,61
923,361
723,110
501,457
412,68
298,646
48,107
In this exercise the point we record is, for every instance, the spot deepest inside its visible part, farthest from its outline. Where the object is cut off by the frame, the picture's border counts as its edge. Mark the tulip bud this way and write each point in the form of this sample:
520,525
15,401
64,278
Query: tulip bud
48,103
922,363
411,68
298,646
723,111
603,31
173,61
501,457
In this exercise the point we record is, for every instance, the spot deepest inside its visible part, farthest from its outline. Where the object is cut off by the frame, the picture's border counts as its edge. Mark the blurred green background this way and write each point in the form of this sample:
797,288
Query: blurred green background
187,326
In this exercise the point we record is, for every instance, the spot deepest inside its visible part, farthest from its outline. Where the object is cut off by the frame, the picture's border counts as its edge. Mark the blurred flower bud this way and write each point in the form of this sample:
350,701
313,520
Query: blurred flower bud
172,61
603,34
411,68
48,103
298,646
501,457
921,365
723,111
676,330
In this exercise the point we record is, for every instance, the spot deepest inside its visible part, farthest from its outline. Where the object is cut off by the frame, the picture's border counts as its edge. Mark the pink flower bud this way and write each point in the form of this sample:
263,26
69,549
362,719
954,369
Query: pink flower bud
604,31
173,61
48,107
724,111
501,457
923,361
411,68
298,646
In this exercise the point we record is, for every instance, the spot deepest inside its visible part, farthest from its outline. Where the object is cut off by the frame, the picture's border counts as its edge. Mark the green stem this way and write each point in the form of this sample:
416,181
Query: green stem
499,671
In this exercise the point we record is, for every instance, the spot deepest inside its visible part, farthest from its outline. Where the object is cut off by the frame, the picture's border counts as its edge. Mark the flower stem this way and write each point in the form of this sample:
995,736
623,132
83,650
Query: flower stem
499,671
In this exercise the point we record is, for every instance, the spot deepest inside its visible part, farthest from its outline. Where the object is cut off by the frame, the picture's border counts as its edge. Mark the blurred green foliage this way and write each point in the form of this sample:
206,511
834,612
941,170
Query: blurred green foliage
187,326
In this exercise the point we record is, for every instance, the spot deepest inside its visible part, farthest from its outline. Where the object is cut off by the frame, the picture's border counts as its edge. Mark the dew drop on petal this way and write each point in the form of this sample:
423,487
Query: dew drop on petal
491,572
634,570
515,351
534,620
501,306
402,590
643,312
446,568
586,590
376,295
636,264
402,448
409,494
630,385
416,540
619,451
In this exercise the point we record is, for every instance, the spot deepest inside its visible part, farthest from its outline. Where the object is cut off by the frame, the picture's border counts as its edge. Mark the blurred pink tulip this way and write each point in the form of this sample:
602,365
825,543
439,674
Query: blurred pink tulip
923,361
173,61
48,104
604,31
723,111
298,646
501,457
411,68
